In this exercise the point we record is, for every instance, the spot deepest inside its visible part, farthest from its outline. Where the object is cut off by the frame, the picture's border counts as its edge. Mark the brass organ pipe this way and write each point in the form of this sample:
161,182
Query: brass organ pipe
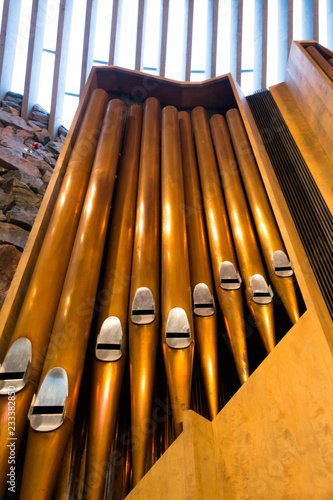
144,329
220,243
176,303
205,326
269,236
245,242
39,308
107,376
62,489
68,342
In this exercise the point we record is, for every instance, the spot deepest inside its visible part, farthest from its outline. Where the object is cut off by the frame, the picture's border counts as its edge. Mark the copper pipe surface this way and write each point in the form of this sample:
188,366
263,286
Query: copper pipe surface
176,282
205,324
68,342
245,242
39,308
220,242
107,376
267,230
62,488
143,330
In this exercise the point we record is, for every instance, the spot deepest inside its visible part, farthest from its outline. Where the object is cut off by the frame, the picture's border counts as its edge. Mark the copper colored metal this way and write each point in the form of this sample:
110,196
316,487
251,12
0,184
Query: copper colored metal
220,242
62,488
205,324
144,329
268,232
248,254
107,376
68,342
39,308
176,303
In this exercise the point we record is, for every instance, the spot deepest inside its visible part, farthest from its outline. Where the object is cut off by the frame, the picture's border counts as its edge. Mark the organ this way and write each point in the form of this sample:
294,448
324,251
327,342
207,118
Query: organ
263,430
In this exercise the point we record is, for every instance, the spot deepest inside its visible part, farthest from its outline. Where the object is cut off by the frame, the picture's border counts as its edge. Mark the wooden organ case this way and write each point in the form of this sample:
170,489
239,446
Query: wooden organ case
266,427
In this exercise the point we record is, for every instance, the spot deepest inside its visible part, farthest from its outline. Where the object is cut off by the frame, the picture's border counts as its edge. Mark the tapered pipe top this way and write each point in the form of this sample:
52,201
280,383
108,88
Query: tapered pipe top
205,323
177,322
68,342
39,308
145,286
41,300
176,285
107,376
258,292
277,262
76,303
147,226
225,272
216,216
116,282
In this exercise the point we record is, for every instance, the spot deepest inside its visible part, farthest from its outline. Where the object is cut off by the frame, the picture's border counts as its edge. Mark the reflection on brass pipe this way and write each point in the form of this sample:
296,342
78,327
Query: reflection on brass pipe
258,293
62,489
41,300
177,322
145,286
226,277
277,262
53,410
108,370
205,324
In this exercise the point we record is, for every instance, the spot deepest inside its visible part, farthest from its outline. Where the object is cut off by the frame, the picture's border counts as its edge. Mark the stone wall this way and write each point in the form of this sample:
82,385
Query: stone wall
27,159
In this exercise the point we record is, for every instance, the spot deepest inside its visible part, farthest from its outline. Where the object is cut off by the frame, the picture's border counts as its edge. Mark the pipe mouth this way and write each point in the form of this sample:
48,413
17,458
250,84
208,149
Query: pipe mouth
229,278
47,410
203,300
261,293
177,330
281,264
14,371
110,340
143,307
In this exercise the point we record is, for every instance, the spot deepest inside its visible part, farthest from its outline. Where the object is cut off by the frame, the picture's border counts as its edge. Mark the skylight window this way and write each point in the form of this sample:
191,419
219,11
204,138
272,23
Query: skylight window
125,51
21,52
103,32
175,58
151,37
247,47
48,55
272,46
297,20
223,38
199,41
74,62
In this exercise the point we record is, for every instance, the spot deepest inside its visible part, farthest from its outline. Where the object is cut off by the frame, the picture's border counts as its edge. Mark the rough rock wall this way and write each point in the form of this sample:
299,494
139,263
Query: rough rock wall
27,159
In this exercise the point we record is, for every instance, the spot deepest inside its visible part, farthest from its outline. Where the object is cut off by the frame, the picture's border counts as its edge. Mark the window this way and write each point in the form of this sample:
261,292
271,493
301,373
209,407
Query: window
48,55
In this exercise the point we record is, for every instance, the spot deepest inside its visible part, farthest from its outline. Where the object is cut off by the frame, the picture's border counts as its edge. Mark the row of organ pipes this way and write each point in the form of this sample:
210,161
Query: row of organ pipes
181,235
